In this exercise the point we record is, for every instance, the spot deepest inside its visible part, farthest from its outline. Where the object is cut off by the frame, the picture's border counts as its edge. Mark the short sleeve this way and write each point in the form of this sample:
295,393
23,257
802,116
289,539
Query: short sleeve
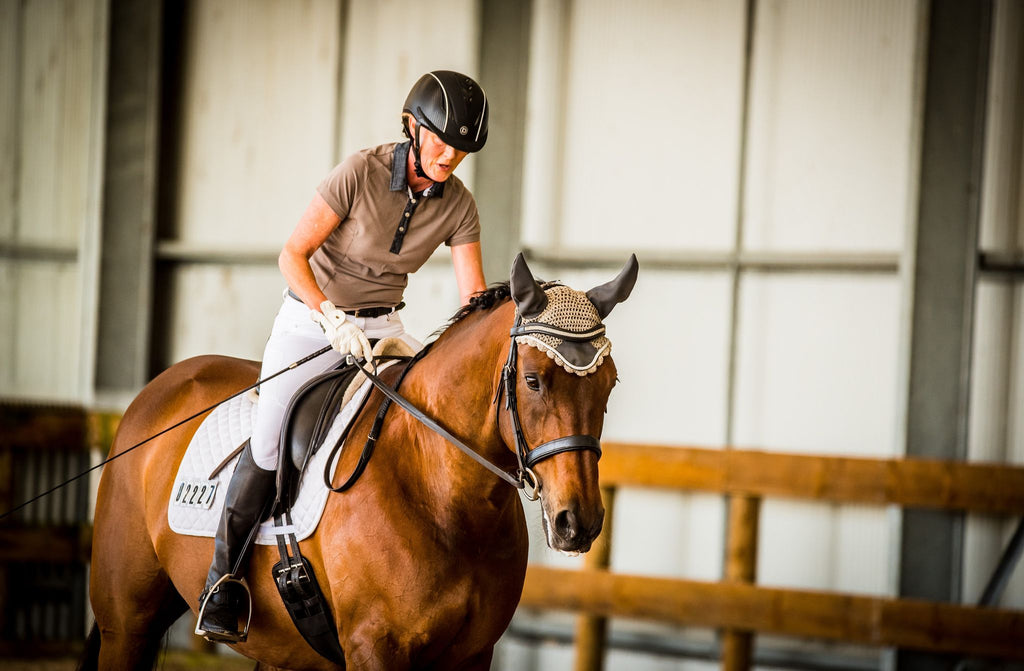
339,187
468,229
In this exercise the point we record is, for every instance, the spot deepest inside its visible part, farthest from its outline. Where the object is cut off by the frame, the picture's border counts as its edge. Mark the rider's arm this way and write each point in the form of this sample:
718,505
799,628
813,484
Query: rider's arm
469,269
316,224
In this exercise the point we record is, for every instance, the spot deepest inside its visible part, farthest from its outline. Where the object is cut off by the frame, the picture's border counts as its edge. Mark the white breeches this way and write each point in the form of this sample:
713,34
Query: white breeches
293,337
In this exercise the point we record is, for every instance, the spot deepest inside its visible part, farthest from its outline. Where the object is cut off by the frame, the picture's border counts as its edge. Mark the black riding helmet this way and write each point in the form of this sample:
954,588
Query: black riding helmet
451,105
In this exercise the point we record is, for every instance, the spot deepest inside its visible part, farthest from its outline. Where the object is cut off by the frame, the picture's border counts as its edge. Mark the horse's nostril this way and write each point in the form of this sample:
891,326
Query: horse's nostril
566,525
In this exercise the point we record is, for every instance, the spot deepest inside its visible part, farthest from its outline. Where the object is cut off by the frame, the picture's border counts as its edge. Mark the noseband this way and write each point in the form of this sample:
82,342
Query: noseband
528,480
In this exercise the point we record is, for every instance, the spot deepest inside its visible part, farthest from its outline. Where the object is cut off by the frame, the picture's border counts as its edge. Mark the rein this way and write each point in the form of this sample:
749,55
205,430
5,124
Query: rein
524,478
427,421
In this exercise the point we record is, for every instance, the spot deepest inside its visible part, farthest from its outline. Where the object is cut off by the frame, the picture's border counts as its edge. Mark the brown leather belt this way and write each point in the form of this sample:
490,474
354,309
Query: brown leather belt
365,313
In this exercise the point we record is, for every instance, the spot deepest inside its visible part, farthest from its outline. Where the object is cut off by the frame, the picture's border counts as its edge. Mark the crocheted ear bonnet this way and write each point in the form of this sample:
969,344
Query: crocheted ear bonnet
564,323
569,310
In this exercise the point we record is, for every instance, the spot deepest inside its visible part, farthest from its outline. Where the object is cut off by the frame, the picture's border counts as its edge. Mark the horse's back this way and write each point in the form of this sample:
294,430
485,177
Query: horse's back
179,392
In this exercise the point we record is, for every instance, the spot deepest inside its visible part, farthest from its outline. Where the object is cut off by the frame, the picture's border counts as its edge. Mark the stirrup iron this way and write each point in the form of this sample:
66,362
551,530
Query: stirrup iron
224,580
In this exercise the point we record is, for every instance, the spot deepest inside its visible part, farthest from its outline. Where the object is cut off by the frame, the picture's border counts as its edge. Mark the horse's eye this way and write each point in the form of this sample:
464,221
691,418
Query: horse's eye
532,382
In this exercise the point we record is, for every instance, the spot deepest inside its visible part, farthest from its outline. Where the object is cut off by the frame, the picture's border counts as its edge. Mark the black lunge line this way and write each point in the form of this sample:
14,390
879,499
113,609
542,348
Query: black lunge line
170,428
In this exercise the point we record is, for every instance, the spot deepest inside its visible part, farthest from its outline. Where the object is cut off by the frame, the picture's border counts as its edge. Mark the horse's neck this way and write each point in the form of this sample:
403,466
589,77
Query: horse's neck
455,384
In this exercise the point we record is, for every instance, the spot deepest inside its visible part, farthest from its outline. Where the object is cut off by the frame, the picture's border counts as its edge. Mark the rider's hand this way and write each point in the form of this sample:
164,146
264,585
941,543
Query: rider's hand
345,337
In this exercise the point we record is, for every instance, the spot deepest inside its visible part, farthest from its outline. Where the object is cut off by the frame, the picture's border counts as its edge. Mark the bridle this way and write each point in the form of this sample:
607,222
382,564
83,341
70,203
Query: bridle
524,478
528,458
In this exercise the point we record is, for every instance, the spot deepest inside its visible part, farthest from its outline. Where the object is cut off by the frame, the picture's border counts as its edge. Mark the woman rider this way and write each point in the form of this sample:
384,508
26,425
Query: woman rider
373,220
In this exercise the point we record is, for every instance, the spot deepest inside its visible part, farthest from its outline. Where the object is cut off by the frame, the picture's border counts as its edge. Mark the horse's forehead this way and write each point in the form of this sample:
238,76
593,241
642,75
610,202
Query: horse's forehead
570,310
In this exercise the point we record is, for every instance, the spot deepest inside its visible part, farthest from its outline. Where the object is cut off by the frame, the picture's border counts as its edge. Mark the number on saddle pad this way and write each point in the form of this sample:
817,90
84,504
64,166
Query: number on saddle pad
194,493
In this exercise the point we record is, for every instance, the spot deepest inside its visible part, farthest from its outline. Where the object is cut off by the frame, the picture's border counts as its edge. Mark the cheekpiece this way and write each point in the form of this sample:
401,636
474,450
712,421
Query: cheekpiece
569,310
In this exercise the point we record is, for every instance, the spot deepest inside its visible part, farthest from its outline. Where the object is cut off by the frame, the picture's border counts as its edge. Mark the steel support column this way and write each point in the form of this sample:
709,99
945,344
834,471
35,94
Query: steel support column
504,67
942,286
129,195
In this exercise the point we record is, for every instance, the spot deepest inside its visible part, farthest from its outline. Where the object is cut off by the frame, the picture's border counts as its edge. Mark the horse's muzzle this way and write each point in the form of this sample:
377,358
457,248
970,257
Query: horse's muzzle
571,531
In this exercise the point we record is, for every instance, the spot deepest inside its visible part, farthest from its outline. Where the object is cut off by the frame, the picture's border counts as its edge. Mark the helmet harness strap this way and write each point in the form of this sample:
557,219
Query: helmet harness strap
414,139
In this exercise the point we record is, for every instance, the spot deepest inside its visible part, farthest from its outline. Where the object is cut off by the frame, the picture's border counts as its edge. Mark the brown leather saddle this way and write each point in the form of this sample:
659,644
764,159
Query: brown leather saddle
308,419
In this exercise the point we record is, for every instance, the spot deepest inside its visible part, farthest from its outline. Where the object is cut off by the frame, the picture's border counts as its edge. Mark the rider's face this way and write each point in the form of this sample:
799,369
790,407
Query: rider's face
438,159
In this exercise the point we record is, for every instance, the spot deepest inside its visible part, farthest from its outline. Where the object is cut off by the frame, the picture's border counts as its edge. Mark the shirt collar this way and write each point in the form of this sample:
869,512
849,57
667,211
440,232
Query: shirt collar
398,179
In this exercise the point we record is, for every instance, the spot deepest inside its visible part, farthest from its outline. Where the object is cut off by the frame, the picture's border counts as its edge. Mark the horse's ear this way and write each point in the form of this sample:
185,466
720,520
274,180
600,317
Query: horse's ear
607,296
528,295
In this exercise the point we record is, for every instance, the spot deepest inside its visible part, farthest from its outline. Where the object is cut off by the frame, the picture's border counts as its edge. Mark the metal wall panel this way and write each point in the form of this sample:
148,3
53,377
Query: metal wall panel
817,363
56,127
673,359
817,370
257,133
43,361
831,113
388,46
258,113
10,115
649,144
54,57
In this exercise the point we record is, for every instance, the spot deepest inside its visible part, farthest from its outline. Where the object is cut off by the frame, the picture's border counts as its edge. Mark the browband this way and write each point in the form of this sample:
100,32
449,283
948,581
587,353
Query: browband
547,329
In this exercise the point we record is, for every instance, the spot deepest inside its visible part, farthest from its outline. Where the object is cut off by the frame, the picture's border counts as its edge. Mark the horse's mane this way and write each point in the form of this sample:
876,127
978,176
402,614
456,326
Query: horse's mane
492,296
483,300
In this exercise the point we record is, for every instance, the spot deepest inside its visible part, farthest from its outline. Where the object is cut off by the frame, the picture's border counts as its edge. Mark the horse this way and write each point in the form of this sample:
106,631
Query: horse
423,559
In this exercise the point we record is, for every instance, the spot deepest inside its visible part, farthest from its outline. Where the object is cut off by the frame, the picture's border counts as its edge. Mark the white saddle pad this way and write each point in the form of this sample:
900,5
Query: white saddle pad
196,501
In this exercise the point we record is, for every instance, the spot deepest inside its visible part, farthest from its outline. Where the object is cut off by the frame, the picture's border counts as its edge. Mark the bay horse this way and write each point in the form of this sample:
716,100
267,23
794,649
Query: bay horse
423,560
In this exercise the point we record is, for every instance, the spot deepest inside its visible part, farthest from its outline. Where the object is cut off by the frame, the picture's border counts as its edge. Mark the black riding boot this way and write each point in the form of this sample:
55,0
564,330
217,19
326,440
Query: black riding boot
249,493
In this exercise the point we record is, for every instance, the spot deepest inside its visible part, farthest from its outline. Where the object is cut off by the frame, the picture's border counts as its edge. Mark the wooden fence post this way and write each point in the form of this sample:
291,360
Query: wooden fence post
591,630
740,567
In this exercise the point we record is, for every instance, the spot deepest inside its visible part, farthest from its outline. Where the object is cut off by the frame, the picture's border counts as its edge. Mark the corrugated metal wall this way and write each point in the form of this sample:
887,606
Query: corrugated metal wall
52,72
730,339
771,196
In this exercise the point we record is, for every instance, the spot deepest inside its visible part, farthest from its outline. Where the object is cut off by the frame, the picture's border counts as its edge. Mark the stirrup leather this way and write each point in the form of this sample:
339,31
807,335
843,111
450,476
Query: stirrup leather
241,637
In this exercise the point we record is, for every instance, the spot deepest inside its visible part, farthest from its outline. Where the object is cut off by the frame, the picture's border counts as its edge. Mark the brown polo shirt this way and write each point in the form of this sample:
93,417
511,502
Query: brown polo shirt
385,231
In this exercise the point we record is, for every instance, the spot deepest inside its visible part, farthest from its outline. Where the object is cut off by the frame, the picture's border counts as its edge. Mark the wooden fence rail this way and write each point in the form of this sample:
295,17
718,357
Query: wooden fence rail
738,606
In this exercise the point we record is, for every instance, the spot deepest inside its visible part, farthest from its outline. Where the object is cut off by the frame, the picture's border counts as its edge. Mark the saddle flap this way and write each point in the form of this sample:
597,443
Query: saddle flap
311,412
307,420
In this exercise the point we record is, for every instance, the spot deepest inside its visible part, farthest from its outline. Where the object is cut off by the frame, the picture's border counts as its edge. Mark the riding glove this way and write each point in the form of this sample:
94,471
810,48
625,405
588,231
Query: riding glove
345,337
